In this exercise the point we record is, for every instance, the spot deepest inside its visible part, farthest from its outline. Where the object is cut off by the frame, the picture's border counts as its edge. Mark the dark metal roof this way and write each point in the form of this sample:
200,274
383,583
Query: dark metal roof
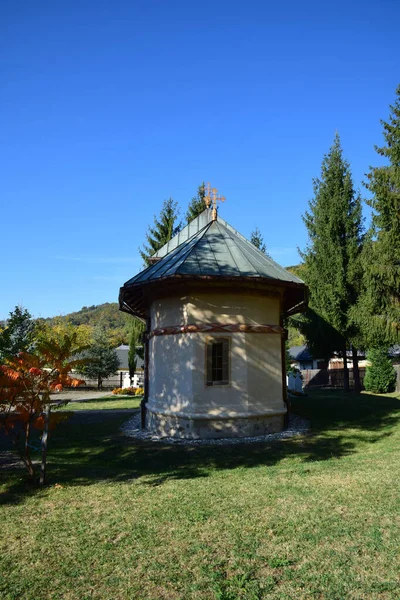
207,249
300,353
215,250
187,232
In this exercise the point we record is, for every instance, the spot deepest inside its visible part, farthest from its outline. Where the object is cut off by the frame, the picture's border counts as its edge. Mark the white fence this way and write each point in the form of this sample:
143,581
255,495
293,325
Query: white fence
294,382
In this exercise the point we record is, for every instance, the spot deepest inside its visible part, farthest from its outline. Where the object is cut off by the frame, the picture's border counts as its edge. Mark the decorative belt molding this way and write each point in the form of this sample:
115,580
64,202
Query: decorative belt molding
216,328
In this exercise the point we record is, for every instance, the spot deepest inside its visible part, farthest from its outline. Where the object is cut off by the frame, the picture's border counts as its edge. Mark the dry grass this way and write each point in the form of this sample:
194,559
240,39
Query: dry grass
312,517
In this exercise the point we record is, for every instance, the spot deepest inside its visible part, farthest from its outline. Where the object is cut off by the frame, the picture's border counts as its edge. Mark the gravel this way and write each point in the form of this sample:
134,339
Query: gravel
296,426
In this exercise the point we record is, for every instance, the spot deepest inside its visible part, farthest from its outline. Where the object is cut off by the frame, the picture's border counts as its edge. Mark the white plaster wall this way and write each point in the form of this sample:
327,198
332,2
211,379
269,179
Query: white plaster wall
232,308
177,362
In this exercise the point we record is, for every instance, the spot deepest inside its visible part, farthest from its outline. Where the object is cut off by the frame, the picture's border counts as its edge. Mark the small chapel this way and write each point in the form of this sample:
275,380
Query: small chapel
214,307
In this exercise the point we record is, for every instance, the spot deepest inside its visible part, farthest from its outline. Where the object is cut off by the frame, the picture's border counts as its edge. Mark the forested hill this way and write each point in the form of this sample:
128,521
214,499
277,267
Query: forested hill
108,315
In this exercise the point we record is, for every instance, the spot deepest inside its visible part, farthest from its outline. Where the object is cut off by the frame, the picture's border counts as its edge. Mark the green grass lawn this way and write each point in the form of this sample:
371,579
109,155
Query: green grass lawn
311,517
106,403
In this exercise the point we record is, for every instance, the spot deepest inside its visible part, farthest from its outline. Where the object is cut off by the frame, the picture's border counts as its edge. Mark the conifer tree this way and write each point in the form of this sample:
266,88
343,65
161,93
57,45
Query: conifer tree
197,204
380,376
379,307
101,359
165,227
257,240
332,260
135,345
18,334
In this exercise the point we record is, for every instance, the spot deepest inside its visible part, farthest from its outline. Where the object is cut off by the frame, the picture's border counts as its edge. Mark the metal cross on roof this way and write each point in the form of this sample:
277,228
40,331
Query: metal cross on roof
212,197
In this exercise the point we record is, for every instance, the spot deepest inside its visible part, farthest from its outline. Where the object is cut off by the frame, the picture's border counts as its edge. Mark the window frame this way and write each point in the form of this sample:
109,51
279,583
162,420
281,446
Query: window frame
209,341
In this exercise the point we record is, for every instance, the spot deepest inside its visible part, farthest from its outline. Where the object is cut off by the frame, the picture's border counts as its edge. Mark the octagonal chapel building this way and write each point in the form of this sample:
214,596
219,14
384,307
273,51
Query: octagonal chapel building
214,307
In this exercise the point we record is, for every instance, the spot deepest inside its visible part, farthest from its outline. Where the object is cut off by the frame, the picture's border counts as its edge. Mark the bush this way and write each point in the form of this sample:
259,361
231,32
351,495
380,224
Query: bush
380,377
129,391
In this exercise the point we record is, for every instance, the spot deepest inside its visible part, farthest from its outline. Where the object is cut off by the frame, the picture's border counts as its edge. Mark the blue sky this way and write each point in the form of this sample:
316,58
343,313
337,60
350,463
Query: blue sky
108,108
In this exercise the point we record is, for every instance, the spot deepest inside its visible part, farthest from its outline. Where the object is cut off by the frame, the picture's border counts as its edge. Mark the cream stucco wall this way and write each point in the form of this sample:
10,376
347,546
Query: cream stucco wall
177,362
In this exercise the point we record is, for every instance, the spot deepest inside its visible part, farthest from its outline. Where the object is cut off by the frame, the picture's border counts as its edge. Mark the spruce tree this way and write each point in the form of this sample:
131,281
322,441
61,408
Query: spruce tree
102,360
380,376
332,260
18,335
257,240
165,227
379,307
197,204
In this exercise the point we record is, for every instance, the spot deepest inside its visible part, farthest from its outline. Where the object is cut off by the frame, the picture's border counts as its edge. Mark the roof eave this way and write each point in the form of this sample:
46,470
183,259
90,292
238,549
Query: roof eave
134,301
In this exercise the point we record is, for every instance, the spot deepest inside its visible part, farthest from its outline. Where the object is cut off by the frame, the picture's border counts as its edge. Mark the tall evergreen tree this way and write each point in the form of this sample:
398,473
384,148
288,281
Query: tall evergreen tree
332,263
257,240
197,204
165,227
379,307
18,334
135,345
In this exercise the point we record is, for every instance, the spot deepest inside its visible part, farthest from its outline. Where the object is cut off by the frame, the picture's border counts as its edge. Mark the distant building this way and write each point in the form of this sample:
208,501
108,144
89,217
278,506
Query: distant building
122,353
303,359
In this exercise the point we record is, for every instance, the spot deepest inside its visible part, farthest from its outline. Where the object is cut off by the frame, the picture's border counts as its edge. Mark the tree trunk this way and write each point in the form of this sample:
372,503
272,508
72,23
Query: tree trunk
27,459
345,370
356,371
99,383
45,436
24,454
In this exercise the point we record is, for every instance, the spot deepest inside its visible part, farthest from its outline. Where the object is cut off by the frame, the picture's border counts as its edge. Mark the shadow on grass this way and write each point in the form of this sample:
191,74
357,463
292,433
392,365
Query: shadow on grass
90,448
105,399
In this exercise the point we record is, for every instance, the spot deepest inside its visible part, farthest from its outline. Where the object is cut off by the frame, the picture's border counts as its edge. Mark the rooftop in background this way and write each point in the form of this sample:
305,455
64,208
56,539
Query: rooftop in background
122,353
300,353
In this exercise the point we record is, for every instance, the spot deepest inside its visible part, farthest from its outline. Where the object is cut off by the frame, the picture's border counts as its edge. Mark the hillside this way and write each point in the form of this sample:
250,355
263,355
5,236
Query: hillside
108,315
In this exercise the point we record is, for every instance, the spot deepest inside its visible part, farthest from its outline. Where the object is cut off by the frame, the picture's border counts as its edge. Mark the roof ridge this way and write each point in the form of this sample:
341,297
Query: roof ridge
179,248
229,250
183,234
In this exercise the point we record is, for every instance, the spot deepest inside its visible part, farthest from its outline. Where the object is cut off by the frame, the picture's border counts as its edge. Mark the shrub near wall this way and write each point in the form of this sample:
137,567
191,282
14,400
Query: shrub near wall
380,377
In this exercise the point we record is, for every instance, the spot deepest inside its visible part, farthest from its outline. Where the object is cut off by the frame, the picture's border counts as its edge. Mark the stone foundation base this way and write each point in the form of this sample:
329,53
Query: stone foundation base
183,427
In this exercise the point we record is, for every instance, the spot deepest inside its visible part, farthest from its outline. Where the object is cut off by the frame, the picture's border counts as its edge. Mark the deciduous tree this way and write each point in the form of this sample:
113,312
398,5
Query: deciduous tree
58,328
26,384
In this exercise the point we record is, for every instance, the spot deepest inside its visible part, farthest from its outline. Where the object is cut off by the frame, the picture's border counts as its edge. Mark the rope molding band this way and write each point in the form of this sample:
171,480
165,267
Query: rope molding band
216,328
